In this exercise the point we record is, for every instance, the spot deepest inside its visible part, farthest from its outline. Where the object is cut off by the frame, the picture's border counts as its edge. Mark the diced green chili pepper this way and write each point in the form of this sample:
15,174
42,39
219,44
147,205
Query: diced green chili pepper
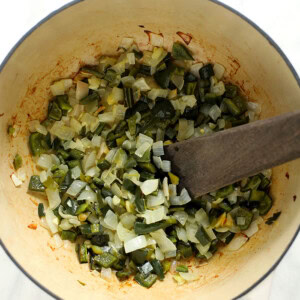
68,235
139,257
128,96
81,208
17,162
10,130
100,240
146,282
158,269
67,181
166,266
206,72
110,75
149,167
123,275
129,185
233,109
138,54
63,103
139,200
35,184
132,125
225,191
272,219
163,109
106,192
256,195
54,111
94,96
99,129
162,78
241,103
210,98
74,163
202,236
182,268
252,184
103,165
59,176
83,254
180,52
190,88
265,182
91,71
146,157
265,205
70,206
241,212
41,211
105,260
225,206
231,91
76,154
38,143
142,228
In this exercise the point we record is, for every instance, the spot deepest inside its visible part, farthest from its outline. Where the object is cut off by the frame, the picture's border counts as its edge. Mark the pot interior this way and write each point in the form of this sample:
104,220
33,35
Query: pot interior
79,35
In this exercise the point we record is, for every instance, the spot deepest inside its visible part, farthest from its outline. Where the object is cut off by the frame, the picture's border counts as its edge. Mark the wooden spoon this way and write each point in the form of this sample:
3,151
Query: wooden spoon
205,164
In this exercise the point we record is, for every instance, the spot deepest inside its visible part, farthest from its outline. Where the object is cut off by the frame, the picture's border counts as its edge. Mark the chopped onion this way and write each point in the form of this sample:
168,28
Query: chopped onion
255,107
128,81
61,131
219,71
17,182
149,186
191,230
181,234
158,254
163,242
115,96
76,187
181,217
154,93
157,161
88,161
93,172
153,201
253,228
106,273
156,40
185,129
53,198
218,88
170,254
126,43
183,199
65,224
240,221
124,234
60,87
131,58
195,68
166,188
136,243
158,148
237,242
96,141
142,139
178,81
119,159
52,221
201,217
107,117
221,123
111,220
128,220
90,196
155,215
45,161
166,166
141,85
142,149
82,90
203,249
21,174
214,112
267,173
188,276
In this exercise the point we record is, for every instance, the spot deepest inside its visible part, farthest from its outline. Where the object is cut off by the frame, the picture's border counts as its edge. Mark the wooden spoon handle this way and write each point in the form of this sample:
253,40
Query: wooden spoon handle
208,163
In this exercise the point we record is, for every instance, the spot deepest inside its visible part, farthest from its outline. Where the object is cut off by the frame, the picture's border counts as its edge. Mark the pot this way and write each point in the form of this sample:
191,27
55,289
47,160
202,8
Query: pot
77,34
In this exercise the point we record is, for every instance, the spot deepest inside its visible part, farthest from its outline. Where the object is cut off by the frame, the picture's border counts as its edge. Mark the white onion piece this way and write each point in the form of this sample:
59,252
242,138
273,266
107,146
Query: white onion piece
195,68
191,230
153,201
126,43
128,220
88,161
163,242
141,85
82,90
173,266
76,125
65,224
188,276
154,215
214,112
61,131
149,186
124,234
52,221
136,243
154,93
181,217
53,198
96,141
106,273
158,148
17,182
158,254
76,187
166,166
203,249
88,195
252,229
111,220
219,71
157,161
21,174
218,88
201,217
142,139
237,242
75,172
107,117
181,233
185,129
45,161
170,254
59,87
166,188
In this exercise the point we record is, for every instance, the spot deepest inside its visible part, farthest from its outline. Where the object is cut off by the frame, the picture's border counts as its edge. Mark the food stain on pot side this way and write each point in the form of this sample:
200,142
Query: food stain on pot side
186,37
287,175
294,198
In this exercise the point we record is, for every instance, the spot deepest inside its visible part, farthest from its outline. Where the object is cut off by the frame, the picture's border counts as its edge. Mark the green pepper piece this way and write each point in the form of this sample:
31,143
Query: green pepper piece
225,191
67,181
139,200
166,265
244,213
59,176
139,257
158,269
91,71
99,129
265,205
180,52
81,208
83,254
106,192
146,157
210,98
225,206
130,163
182,268
256,195
63,103
184,249
103,165
105,260
76,154
74,163
100,240
163,109
240,122
149,167
241,103
231,91
272,219
123,275
94,96
146,282
252,184
142,228
38,143
54,111
68,235
265,182
132,124
10,130
202,236
129,185
35,184
162,78
110,75
85,229
70,206
190,88
128,97
41,211
17,162
233,109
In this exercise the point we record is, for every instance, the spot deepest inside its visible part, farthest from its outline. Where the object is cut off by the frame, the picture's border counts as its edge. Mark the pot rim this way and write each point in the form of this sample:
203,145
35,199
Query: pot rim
244,18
